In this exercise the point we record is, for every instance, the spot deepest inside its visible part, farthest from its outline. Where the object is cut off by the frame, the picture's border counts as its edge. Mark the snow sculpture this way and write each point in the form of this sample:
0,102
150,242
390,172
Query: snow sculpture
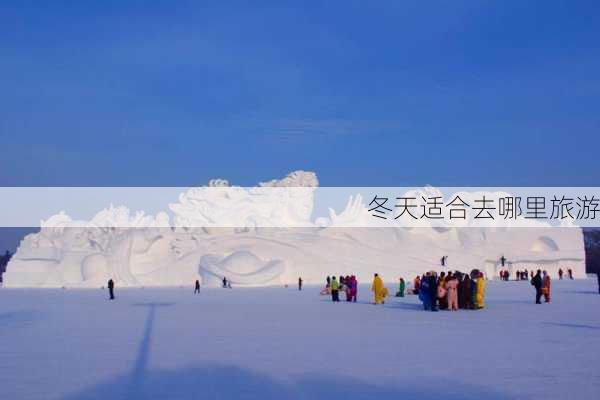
224,231
240,268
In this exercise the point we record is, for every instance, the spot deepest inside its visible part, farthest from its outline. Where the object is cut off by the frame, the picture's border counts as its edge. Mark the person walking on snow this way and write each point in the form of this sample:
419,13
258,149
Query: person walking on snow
197,289
537,283
560,273
300,283
546,286
379,290
111,289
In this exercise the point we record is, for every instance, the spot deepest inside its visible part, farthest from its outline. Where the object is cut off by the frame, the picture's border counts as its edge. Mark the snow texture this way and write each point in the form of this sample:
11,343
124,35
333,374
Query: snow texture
279,343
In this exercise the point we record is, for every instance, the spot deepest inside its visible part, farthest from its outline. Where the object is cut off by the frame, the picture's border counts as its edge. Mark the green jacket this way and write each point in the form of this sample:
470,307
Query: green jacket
335,285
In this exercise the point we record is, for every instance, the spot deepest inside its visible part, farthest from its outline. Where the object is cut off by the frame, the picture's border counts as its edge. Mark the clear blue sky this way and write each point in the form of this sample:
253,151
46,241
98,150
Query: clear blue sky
384,93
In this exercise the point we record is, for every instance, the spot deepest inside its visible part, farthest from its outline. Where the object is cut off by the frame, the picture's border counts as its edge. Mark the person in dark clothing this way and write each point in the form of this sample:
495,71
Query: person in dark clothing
197,289
560,273
441,291
598,275
503,260
464,299
570,271
299,283
224,282
328,282
537,282
111,289
433,284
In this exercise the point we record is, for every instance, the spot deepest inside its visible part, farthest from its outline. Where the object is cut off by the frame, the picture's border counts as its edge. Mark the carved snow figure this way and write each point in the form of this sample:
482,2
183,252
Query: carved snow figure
244,234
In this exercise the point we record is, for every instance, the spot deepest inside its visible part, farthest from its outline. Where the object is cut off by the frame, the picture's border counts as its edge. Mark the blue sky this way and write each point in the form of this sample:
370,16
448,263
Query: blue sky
395,93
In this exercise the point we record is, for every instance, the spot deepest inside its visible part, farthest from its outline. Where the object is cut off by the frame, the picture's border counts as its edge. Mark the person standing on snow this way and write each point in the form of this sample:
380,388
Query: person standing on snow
111,289
354,288
441,291
379,290
401,287
432,291
570,271
560,273
416,284
546,286
197,289
300,283
451,287
334,285
464,299
537,283
480,296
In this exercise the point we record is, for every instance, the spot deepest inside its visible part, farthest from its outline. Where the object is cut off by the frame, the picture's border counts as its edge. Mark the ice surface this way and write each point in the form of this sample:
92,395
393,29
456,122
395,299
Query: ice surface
278,343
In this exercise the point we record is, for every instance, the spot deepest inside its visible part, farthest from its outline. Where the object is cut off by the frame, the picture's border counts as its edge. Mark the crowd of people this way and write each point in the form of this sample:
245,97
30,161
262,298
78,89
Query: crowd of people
524,274
451,291
347,284
541,282
448,291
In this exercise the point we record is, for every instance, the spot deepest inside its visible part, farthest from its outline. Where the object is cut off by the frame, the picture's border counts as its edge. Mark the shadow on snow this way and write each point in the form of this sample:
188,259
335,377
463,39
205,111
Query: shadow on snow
216,381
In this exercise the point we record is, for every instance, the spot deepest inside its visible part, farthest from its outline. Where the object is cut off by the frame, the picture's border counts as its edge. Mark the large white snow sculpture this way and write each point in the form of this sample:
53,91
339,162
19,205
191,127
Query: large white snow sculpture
142,250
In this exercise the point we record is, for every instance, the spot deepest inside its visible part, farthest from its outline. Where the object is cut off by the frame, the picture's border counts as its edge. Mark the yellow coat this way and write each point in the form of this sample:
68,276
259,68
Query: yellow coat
379,291
480,295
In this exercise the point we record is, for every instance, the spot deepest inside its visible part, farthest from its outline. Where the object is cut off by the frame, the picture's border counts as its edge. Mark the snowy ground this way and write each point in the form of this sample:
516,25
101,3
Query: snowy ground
280,343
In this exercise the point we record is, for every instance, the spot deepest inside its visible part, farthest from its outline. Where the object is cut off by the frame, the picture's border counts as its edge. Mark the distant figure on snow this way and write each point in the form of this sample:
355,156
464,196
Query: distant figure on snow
480,293
464,300
225,283
379,290
300,283
560,273
353,288
111,289
334,285
570,271
401,287
416,285
546,286
537,283
197,289
503,260
451,287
